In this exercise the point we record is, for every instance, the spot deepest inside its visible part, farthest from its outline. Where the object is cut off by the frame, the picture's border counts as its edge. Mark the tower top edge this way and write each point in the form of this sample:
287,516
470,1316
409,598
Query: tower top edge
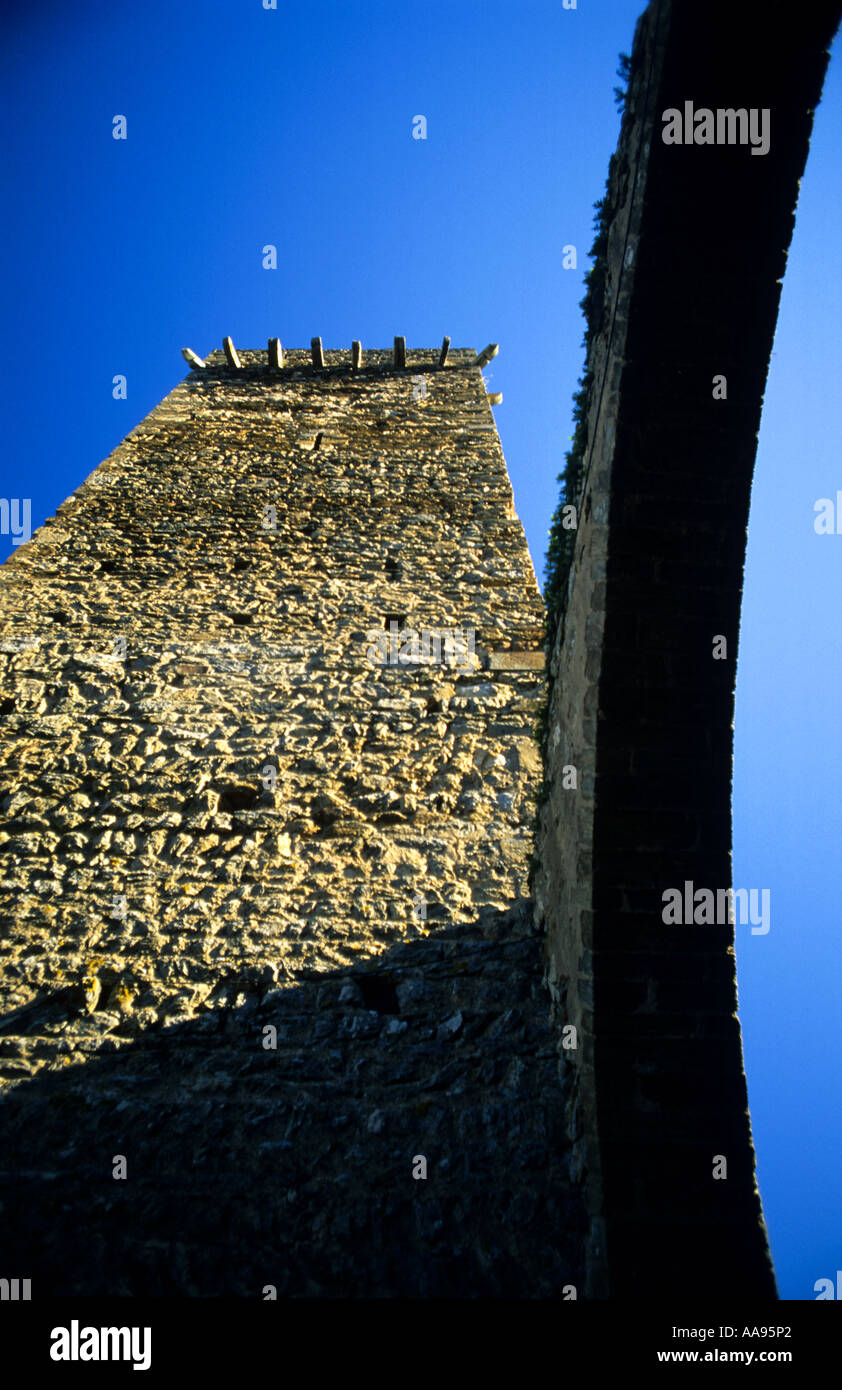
276,359
343,354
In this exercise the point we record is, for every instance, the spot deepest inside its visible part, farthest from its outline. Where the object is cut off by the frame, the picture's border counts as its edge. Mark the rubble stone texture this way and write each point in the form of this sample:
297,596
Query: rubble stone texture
222,816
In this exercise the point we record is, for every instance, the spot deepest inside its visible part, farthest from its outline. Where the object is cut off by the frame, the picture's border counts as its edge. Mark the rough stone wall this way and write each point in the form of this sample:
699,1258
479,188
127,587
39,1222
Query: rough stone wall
219,815
696,255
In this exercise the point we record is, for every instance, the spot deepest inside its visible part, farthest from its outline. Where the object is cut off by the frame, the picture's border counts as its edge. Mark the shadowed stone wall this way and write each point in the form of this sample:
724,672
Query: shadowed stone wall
221,817
697,238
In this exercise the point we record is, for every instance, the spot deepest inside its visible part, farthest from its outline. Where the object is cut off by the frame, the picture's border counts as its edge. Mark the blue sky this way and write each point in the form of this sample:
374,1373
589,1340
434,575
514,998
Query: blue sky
293,127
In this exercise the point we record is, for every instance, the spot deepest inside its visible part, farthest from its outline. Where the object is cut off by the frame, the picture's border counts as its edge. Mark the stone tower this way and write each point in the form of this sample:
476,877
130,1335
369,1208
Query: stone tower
273,1014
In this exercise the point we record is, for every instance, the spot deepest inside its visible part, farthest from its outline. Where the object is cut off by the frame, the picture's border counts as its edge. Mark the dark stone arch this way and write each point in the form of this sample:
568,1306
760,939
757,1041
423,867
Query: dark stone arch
697,240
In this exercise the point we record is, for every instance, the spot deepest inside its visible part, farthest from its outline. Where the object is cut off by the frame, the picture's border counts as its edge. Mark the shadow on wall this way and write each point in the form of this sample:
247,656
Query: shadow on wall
249,1165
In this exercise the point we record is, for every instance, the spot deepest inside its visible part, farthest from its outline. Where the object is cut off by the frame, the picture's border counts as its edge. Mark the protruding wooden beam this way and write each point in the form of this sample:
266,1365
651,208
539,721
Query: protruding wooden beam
231,353
445,344
494,397
356,355
276,354
484,357
316,352
400,352
190,356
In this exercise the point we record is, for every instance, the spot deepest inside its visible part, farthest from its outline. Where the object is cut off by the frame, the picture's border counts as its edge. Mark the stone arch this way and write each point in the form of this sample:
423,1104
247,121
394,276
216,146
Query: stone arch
696,252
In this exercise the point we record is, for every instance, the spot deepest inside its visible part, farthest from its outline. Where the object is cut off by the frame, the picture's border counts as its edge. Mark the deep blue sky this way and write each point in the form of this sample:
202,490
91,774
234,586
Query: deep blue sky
293,127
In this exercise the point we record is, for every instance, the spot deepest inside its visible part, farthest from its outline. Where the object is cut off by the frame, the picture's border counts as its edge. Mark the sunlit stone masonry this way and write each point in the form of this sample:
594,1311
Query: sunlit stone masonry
273,1017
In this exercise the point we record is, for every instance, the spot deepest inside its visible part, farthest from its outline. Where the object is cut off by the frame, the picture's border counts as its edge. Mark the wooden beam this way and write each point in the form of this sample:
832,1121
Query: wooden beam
276,354
484,357
445,344
190,356
356,355
316,352
400,352
231,353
